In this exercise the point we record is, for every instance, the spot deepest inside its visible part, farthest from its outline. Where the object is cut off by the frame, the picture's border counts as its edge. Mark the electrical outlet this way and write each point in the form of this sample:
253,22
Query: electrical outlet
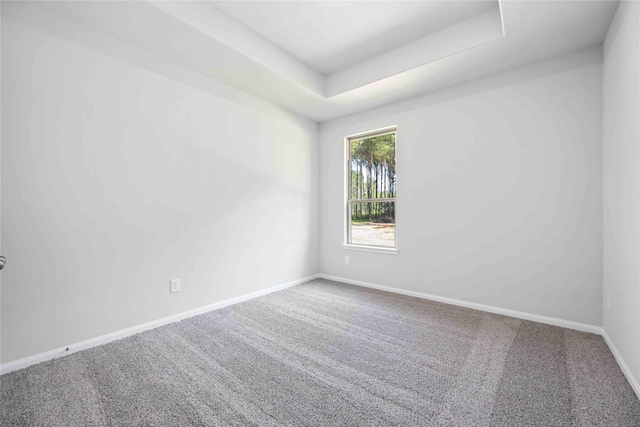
346,260
175,285
607,299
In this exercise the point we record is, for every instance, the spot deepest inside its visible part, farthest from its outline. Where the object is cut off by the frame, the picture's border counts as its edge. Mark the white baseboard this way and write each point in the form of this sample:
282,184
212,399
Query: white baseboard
633,381
104,339
583,327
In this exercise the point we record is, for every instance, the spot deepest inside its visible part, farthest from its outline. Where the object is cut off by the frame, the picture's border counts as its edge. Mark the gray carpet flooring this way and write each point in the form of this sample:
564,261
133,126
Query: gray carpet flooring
324,353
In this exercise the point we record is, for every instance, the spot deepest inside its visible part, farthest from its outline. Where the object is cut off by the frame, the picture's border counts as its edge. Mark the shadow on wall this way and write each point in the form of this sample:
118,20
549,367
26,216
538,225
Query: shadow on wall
41,19
553,66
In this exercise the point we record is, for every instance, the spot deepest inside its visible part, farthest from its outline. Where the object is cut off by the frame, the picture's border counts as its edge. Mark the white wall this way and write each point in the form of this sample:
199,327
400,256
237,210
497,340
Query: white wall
499,192
117,178
621,171
121,171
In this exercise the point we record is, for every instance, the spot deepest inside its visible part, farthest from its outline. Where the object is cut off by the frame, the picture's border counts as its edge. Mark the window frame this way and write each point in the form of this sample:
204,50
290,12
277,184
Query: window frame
347,194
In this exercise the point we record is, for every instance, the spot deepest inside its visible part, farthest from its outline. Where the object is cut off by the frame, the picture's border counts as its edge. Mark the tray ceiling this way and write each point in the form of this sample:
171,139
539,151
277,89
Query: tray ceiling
324,60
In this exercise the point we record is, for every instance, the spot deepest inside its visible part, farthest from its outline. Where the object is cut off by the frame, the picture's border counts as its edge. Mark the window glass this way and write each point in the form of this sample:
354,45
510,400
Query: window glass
371,200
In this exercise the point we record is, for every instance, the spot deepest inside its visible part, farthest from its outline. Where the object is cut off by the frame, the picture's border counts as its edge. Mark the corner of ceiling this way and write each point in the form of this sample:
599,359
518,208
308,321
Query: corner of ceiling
369,74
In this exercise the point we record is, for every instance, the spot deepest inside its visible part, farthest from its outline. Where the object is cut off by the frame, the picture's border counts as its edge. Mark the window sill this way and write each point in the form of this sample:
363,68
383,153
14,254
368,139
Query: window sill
374,249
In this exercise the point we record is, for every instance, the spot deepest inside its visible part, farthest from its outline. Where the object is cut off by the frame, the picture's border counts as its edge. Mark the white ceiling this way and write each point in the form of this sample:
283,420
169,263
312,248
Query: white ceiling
331,36
328,59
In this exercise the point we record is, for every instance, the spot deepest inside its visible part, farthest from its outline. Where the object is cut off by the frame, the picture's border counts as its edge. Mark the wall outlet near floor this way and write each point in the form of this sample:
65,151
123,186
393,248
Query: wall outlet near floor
346,260
607,301
174,285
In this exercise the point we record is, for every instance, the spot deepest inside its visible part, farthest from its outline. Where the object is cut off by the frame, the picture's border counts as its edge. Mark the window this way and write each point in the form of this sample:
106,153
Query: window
371,191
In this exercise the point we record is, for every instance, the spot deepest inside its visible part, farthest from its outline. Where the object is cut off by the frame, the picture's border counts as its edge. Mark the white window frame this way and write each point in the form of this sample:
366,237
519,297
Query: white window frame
347,190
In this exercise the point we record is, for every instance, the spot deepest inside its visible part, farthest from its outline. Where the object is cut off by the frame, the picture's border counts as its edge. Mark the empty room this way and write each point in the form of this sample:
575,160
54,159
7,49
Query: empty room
319,213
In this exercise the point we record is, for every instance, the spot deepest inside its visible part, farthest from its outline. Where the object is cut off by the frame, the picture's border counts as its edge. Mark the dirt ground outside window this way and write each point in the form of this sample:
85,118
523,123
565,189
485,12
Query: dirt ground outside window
368,233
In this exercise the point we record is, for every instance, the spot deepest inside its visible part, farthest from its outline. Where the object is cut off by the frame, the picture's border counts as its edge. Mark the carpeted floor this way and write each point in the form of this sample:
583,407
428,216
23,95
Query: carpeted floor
324,353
